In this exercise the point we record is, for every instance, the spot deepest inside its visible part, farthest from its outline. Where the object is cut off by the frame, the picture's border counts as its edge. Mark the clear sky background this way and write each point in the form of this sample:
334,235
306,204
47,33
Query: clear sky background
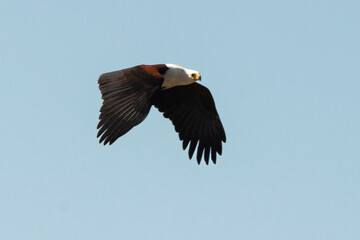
285,76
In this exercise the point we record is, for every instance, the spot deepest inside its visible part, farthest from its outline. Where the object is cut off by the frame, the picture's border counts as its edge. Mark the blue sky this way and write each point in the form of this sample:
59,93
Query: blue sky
285,76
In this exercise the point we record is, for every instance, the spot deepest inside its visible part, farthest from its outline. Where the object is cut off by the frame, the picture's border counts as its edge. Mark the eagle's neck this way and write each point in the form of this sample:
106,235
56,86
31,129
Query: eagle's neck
176,76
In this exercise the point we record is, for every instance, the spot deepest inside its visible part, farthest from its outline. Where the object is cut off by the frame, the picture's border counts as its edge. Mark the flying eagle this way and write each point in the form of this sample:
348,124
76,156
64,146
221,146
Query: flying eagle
128,95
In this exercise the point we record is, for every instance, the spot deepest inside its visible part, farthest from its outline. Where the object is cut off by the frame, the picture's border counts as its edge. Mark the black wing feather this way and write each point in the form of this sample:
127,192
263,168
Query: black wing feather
192,110
126,98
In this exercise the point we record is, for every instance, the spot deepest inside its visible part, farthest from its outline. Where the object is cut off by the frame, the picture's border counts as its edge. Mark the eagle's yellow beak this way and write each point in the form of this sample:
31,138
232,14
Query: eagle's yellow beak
196,76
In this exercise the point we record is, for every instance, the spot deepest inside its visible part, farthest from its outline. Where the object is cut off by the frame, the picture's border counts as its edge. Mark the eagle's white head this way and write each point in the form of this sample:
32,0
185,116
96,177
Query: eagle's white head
176,76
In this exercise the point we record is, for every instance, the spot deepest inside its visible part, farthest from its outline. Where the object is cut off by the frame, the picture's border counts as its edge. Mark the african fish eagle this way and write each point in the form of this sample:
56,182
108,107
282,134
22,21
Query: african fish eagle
128,95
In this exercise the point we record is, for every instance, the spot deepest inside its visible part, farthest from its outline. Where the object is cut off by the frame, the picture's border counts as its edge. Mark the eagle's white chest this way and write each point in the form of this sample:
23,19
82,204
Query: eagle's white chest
176,76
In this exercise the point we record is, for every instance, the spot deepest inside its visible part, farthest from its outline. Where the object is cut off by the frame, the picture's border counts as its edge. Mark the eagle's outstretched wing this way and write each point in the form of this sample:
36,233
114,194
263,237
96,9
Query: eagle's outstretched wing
126,98
191,109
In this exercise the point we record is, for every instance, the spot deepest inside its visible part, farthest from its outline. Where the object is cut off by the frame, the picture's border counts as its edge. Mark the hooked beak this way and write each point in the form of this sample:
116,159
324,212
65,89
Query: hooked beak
196,76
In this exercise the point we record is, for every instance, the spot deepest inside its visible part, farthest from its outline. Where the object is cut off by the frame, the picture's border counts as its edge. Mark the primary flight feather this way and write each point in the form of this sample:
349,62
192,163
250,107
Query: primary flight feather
128,95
